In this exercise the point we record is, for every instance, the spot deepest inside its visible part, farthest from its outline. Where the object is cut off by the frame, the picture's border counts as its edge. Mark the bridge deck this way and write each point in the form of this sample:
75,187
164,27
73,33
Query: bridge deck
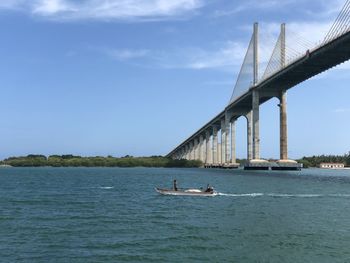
311,64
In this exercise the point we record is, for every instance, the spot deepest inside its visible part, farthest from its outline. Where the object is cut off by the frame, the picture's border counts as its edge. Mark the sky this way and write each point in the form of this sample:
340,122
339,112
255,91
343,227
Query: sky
138,77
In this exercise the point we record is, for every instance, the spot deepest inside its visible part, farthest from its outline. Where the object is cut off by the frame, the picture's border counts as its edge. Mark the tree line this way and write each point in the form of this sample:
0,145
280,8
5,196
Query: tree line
314,161
69,160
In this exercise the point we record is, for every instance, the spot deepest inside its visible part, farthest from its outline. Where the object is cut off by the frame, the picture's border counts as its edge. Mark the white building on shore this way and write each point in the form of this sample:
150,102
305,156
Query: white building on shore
332,165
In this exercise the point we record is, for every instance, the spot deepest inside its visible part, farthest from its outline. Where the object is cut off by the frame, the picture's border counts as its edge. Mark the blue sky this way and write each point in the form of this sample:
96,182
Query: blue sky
137,77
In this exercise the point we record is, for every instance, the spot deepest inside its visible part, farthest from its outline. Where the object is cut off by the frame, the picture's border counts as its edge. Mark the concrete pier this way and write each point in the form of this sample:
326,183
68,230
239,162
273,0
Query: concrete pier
215,145
256,127
208,158
223,142
249,136
201,148
283,127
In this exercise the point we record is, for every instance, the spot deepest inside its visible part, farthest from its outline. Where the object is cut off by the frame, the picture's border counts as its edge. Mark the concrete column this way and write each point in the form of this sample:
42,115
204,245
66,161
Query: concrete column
233,141
219,153
223,141
206,146
256,135
227,140
249,136
201,148
191,151
195,143
215,145
283,126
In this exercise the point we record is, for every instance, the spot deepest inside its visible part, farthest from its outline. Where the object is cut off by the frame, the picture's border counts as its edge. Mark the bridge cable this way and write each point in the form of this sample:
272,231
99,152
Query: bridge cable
340,25
246,75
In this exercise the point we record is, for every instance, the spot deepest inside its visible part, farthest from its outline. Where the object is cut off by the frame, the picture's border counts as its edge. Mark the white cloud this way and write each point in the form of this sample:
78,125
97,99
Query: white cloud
229,55
51,7
126,54
226,56
328,8
105,9
342,110
250,5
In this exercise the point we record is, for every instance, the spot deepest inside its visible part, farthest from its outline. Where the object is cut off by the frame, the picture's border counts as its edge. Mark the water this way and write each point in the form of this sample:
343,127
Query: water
114,215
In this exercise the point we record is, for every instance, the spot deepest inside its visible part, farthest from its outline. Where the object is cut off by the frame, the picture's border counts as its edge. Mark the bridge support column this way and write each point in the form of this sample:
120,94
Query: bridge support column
208,158
249,136
195,149
283,126
227,142
193,153
186,152
223,141
215,145
256,134
233,142
201,148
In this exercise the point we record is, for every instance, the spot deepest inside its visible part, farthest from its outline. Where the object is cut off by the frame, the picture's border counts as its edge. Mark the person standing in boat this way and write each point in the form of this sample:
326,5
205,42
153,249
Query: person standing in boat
175,185
209,189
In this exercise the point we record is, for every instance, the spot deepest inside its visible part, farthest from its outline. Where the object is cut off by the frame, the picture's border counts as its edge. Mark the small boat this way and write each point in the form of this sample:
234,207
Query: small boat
189,192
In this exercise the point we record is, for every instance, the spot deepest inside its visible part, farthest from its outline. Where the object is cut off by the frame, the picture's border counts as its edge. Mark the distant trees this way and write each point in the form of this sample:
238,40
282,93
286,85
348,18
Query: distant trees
69,160
315,161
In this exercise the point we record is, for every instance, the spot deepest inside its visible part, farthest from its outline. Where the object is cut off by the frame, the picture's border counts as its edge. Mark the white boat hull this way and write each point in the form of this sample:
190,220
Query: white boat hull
189,192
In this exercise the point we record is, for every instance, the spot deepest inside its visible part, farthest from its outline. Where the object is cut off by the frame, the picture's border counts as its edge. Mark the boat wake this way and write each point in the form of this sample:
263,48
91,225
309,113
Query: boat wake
284,195
106,187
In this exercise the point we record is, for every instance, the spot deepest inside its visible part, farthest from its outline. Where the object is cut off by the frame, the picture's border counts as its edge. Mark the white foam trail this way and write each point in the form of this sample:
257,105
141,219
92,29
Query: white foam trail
340,195
284,195
106,187
296,195
242,195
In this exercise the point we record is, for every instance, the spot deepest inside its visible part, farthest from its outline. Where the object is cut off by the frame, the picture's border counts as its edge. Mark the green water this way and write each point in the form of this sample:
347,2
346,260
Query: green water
114,215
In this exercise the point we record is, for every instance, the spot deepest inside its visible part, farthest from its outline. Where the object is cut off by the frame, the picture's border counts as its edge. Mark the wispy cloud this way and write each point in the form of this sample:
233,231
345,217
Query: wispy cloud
228,55
52,7
326,8
341,110
225,56
251,5
125,54
11,4
105,9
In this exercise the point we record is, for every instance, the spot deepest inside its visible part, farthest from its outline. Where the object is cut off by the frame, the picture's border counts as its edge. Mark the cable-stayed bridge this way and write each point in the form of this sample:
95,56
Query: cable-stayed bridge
291,63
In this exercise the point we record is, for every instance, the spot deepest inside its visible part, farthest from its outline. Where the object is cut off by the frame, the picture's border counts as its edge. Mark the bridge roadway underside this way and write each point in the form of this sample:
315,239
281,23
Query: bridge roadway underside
311,64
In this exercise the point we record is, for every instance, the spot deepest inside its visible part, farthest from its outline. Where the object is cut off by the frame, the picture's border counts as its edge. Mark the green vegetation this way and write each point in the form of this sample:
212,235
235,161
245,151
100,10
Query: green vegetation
315,161
69,160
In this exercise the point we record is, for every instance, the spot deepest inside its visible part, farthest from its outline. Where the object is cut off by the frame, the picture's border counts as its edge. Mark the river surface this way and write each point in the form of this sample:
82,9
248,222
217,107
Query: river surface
114,215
